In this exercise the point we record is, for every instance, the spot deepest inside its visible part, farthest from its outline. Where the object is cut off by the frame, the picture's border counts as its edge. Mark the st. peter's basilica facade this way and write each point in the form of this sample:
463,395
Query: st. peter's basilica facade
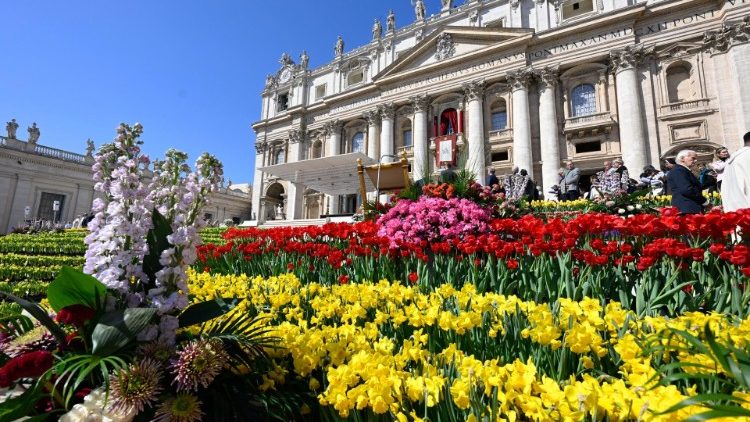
509,83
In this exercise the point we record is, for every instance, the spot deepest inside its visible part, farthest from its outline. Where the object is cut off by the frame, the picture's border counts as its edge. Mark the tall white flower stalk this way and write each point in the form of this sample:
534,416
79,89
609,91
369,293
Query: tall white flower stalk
117,238
118,243
179,195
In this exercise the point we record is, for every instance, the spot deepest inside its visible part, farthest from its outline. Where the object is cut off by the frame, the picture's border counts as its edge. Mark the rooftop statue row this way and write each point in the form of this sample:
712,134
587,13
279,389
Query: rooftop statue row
11,127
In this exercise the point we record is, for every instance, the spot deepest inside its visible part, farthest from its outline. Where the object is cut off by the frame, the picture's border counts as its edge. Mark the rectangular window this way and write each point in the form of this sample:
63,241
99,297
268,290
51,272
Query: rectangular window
407,138
46,205
208,216
500,156
320,91
499,120
282,102
585,147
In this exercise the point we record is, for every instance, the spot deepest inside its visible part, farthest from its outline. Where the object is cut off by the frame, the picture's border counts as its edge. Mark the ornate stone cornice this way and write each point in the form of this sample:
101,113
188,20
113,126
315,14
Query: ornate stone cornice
332,127
420,102
722,40
627,58
296,135
372,117
474,90
387,111
547,77
520,79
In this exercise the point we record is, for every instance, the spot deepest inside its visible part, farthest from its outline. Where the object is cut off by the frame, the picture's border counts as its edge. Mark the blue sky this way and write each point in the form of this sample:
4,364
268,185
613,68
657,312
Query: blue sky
190,71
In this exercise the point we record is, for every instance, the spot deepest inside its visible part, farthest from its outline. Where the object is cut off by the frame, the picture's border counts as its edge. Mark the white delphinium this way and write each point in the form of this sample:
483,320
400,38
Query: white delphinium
179,195
117,238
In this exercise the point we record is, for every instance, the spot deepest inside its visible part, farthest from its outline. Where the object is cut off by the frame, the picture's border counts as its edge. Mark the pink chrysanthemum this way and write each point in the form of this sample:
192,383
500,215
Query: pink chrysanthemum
182,408
198,363
137,386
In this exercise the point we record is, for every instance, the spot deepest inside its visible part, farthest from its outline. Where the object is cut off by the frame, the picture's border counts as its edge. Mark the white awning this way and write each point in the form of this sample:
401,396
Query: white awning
335,175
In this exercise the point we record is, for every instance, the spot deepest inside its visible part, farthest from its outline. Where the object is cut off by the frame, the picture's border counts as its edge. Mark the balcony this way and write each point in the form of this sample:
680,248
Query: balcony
684,108
588,125
501,134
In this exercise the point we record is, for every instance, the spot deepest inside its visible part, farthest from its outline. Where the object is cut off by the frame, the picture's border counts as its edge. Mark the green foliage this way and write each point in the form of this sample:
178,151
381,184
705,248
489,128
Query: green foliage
157,243
40,315
73,287
75,370
198,313
116,329
245,337
16,325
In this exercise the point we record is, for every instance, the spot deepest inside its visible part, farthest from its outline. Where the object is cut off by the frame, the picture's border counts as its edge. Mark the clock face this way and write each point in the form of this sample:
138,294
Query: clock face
286,74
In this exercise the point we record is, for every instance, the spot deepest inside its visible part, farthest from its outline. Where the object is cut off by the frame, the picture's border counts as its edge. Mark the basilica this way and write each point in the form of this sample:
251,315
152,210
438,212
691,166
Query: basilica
503,84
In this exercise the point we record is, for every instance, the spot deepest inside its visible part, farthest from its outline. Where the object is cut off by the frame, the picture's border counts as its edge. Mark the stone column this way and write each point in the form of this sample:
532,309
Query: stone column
373,143
295,195
548,129
630,107
257,207
420,167
519,81
387,114
731,41
474,91
333,130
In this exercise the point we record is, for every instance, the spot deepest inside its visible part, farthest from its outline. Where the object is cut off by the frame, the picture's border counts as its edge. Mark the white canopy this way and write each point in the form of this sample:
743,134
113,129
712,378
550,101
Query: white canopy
334,175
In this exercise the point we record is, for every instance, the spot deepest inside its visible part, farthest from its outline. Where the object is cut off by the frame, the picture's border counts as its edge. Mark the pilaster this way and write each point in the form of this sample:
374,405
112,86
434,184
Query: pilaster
474,92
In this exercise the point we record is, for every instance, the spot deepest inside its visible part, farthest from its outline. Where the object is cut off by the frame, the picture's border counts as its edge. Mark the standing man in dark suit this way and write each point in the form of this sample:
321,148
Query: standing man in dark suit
492,180
687,193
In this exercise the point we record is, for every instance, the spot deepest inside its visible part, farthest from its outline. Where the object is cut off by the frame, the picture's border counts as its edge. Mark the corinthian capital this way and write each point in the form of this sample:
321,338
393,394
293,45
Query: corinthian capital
420,102
722,40
474,90
627,58
387,111
296,135
332,127
372,117
260,147
547,77
520,79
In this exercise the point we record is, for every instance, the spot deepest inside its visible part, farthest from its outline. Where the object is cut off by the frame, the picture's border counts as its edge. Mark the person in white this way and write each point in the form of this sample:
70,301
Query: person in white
720,162
735,186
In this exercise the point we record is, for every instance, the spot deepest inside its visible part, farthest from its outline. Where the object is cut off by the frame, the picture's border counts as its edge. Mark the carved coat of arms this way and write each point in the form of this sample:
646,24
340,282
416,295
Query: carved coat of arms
445,48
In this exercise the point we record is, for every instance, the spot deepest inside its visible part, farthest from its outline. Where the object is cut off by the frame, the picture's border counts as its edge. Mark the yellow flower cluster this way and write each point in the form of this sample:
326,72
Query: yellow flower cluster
396,350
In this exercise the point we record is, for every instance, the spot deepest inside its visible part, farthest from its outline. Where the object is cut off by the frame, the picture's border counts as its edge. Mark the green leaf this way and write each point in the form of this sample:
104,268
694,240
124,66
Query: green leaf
157,243
19,406
16,325
40,315
73,287
205,311
118,328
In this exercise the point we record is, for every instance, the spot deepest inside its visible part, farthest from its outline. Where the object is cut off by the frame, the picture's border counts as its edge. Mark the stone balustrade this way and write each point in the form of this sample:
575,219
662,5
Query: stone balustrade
684,106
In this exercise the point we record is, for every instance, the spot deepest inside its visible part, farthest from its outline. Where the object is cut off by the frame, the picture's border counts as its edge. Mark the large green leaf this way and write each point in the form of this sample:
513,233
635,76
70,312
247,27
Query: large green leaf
157,243
40,315
73,287
205,311
118,328
19,407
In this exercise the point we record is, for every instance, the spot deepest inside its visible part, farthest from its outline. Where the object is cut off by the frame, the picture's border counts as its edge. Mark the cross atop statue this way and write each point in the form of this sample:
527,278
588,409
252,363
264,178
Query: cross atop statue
11,127
33,133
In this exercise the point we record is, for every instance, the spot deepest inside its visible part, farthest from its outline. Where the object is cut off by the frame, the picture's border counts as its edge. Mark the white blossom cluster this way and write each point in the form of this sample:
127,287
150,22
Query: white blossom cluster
117,243
117,233
179,195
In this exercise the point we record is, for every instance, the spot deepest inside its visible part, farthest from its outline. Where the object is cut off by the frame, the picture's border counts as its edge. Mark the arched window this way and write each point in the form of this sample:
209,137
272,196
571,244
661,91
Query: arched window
499,115
406,133
279,157
583,100
317,149
358,142
679,85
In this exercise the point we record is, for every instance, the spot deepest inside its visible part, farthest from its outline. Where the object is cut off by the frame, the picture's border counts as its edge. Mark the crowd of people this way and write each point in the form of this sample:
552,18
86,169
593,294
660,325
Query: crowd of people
728,174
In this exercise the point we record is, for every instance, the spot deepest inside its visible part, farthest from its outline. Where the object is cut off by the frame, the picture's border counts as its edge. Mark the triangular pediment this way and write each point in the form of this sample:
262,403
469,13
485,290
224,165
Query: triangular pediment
679,49
454,44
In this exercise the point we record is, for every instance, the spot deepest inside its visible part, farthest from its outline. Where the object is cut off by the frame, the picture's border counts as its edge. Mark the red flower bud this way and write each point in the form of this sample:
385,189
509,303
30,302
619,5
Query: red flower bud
75,315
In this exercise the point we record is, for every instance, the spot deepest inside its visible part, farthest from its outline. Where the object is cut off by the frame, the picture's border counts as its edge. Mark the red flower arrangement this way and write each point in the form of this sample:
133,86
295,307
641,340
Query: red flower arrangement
75,315
28,365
